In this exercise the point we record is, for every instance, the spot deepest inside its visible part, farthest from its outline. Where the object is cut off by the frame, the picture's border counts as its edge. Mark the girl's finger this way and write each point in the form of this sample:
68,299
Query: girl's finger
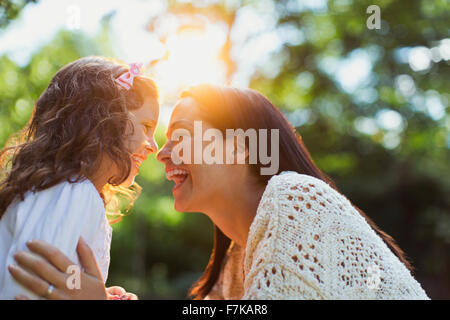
21,297
131,296
33,283
41,267
87,259
51,253
115,290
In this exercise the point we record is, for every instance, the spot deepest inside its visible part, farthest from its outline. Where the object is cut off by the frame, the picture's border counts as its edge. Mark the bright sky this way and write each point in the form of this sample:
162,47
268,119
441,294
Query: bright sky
193,53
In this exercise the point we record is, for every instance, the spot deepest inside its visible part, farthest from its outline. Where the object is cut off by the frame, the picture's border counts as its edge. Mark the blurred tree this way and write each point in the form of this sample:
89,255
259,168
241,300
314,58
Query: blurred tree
371,105
9,10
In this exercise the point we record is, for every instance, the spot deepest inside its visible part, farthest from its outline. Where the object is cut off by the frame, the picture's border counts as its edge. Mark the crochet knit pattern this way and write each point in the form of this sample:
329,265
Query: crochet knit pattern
307,241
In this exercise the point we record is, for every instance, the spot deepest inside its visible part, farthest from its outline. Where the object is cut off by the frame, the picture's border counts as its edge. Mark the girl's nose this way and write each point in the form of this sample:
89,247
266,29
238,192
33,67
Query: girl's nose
151,146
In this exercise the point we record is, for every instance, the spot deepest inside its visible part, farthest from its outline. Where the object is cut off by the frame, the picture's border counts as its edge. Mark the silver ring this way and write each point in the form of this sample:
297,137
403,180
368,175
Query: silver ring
49,290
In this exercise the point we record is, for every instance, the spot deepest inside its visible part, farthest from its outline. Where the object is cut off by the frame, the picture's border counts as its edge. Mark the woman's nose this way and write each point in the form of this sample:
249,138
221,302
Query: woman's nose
164,154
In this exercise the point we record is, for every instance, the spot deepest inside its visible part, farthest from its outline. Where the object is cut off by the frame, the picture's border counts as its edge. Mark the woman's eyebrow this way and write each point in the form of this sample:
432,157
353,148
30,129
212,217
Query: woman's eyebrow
176,124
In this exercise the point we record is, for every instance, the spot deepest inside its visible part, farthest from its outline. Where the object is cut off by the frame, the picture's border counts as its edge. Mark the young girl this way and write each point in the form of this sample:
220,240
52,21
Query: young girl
91,130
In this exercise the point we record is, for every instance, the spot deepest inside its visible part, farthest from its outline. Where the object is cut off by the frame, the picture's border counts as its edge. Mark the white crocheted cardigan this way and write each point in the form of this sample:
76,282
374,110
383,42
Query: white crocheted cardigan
308,242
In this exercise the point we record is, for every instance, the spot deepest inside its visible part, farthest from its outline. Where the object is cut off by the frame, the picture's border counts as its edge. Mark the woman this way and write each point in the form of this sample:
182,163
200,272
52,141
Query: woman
90,131
288,235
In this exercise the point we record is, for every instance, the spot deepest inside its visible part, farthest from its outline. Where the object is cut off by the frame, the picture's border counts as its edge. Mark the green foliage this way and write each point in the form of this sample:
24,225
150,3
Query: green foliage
10,10
399,176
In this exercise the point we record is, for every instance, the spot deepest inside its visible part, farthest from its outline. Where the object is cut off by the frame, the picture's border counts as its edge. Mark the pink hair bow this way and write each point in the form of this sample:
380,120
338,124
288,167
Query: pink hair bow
126,79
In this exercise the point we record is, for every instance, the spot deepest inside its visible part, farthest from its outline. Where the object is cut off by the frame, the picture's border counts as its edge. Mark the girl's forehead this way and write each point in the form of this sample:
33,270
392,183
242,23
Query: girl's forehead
148,111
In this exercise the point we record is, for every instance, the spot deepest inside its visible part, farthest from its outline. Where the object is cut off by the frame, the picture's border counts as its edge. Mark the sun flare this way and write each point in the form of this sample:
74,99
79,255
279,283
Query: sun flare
192,57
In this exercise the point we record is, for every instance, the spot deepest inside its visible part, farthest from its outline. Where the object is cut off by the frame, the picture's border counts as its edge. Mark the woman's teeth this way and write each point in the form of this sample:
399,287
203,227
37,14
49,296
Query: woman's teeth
177,175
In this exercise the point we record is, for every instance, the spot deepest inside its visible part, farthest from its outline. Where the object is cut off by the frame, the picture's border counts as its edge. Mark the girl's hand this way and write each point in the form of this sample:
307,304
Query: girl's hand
119,293
48,268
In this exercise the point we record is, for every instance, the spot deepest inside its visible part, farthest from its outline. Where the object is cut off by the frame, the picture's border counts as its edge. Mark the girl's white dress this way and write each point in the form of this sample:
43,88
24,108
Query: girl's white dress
59,216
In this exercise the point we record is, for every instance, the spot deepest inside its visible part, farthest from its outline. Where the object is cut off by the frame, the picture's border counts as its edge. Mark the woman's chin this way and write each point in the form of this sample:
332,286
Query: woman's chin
179,203
178,207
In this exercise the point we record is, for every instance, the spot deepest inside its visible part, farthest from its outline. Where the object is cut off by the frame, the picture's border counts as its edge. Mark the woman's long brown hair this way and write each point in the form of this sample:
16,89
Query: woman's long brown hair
233,108
81,117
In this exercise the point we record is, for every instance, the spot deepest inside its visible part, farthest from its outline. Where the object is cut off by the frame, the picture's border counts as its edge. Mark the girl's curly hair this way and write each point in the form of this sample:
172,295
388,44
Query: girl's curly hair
79,118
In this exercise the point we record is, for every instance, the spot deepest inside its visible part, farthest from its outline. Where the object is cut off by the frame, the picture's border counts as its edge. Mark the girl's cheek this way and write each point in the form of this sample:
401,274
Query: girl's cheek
137,142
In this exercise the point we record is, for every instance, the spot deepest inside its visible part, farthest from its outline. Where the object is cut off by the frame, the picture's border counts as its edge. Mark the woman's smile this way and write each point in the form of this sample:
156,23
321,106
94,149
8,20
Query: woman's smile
178,175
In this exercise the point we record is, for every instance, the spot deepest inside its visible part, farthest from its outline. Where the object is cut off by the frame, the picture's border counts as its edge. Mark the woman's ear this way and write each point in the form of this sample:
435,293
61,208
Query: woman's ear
239,153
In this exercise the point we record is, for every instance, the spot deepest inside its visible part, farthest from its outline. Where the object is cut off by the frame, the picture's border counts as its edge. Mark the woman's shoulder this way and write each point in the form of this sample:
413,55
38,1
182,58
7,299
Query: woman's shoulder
303,206
304,193
282,244
288,193
293,221
310,232
292,180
